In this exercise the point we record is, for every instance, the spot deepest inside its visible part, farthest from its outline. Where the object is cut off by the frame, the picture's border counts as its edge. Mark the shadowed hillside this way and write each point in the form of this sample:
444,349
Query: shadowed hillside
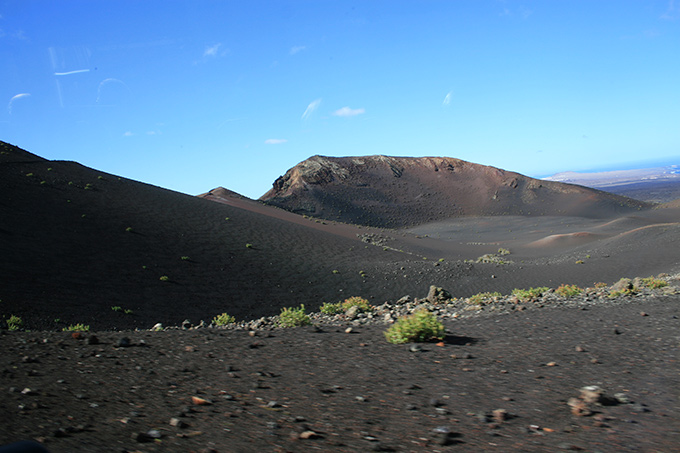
395,192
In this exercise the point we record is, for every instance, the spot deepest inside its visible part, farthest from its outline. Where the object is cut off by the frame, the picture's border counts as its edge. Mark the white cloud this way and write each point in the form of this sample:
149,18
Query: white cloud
212,50
672,11
128,134
14,99
447,98
77,71
310,108
296,49
275,141
346,111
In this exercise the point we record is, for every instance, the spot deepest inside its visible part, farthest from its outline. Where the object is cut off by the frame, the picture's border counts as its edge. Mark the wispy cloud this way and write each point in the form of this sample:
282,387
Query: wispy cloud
296,49
128,134
275,141
10,105
77,71
672,11
346,111
212,50
447,98
310,108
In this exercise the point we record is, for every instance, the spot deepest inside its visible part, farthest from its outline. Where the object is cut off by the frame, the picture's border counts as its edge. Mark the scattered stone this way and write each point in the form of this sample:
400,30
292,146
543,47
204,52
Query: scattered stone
415,348
579,407
348,330
200,401
580,349
177,423
309,435
438,294
352,312
123,342
442,435
186,324
158,326
499,415
591,394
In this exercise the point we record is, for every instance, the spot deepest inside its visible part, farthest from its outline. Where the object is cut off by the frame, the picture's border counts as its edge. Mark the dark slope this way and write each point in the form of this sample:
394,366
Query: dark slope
401,191
76,241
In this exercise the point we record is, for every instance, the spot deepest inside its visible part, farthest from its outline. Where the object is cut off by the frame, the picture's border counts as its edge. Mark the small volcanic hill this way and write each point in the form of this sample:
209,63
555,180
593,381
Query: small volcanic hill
396,192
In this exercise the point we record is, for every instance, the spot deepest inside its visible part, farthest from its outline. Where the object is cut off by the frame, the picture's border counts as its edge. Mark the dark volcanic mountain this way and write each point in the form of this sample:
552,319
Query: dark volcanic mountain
384,191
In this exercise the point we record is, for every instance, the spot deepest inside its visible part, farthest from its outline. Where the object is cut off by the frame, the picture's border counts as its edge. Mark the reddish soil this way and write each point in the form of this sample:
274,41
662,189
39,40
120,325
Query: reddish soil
76,242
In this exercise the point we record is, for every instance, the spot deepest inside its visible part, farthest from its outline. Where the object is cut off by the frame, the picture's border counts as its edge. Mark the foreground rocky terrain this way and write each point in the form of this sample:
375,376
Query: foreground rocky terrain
588,374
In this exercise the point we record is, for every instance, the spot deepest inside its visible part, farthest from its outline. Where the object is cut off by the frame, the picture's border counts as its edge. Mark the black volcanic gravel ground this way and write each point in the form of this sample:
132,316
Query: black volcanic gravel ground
354,391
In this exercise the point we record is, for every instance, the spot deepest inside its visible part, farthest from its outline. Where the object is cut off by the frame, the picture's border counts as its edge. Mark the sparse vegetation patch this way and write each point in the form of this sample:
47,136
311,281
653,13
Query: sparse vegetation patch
294,317
568,290
529,294
76,328
14,323
223,319
419,327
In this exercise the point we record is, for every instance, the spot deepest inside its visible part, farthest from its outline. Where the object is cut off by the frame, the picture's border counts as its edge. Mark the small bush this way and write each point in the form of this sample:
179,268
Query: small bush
418,327
185,258
223,319
128,229
503,252
164,278
330,309
623,292
117,308
127,311
529,294
480,298
654,283
356,301
294,317
249,246
600,285
76,328
579,261
568,290
14,323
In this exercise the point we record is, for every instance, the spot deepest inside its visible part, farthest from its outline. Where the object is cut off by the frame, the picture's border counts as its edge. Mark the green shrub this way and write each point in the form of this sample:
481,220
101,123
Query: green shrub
249,246
418,327
654,283
164,278
128,229
480,298
223,319
568,290
529,294
623,292
117,308
331,309
14,323
356,301
76,328
294,317
127,311
185,258
503,252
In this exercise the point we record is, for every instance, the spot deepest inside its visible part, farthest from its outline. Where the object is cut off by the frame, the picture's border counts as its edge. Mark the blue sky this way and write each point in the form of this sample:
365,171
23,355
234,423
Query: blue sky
195,95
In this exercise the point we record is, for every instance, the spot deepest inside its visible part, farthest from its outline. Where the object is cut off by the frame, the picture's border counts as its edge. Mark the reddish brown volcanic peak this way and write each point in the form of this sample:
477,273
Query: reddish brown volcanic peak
394,192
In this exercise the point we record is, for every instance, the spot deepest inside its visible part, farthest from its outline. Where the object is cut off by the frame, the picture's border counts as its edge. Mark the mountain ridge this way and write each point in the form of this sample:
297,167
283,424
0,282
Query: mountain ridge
387,191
